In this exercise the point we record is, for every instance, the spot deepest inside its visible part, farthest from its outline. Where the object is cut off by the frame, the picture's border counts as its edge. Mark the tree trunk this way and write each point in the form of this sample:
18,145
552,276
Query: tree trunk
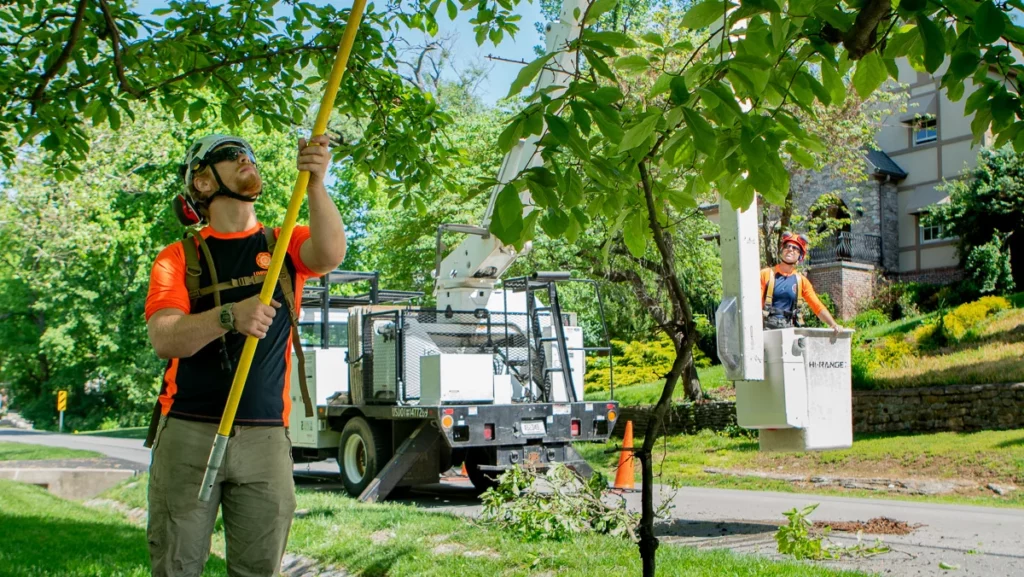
1016,245
678,324
648,541
691,382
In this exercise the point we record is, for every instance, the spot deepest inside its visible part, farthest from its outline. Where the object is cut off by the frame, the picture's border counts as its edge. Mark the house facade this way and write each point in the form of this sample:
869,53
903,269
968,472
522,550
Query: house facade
917,150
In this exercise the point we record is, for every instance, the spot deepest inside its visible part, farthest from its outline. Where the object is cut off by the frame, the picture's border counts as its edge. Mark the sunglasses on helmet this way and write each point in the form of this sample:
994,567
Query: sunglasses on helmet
229,153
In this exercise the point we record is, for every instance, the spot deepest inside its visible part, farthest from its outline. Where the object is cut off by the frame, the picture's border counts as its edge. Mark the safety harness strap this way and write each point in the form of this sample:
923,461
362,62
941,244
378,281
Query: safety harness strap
289,298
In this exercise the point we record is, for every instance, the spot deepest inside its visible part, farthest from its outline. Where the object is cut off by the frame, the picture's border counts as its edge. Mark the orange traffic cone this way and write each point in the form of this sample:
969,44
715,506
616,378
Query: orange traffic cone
464,473
624,476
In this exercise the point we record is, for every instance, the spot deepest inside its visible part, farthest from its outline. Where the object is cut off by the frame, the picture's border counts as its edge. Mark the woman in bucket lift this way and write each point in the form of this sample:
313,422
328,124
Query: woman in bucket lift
782,288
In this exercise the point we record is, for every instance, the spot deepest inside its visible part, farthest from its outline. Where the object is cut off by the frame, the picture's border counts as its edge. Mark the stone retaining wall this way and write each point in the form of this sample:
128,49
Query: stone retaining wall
926,409
681,418
918,410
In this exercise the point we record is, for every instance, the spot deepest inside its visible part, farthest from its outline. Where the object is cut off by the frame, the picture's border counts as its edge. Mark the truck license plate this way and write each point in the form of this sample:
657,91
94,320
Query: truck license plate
533,428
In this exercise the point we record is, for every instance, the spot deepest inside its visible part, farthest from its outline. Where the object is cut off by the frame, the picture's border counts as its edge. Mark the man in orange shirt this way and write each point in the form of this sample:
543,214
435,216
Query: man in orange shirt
199,325
783,287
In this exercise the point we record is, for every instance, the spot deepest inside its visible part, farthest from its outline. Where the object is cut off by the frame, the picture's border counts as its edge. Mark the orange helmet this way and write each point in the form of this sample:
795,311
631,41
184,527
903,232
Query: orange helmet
798,239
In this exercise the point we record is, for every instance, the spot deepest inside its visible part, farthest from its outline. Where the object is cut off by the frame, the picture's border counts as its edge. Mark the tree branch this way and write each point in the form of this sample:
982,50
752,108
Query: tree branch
860,39
65,55
115,43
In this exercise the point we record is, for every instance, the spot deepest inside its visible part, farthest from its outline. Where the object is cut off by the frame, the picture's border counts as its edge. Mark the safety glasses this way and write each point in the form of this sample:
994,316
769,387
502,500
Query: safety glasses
790,236
229,153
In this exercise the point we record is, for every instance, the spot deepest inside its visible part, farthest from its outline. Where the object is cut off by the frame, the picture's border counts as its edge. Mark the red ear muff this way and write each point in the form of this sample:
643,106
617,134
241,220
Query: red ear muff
186,210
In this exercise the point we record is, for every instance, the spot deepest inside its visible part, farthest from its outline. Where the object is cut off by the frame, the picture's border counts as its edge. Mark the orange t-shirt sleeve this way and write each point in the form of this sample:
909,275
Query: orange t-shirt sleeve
765,277
167,282
812,297
300,234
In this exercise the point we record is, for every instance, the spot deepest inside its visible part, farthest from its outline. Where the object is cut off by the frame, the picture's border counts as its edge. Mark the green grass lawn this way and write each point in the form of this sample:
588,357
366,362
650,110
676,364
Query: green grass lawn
27,452
712,381
983,457
126,433
45,536
401,540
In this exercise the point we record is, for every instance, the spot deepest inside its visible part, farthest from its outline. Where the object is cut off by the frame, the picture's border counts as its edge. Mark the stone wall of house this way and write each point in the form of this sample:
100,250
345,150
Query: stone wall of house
934,276
851,285
862,200
916,410
890,228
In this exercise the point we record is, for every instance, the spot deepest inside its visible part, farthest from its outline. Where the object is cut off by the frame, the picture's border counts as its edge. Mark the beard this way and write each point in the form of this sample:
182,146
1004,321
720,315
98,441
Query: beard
250,183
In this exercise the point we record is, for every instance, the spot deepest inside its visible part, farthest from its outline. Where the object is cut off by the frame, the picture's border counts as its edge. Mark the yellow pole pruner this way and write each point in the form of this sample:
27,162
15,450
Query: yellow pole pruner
220,443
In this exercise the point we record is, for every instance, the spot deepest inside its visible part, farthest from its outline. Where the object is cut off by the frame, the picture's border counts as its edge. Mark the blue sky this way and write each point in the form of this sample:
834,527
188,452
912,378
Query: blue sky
467,52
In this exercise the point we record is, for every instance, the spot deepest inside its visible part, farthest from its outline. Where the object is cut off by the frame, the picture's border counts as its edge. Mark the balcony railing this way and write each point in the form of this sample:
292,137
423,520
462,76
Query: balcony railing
848,247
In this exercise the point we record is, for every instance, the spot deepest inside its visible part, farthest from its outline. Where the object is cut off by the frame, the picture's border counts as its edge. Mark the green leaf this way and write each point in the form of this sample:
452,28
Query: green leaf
934,43
653,38
869,75
800,155
599,64
634,233
453,10
557,128
661,85
527,74
195,110
507,223
632,63
617,39
963,64
598,8
511,135
573,193
610,129
989,22
680,95
554,222
833,82
703,134
636,135
703,14
913,5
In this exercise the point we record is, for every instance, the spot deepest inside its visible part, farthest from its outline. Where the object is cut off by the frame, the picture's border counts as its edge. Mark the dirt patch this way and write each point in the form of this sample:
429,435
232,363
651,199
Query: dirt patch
447,549
382,536
876,526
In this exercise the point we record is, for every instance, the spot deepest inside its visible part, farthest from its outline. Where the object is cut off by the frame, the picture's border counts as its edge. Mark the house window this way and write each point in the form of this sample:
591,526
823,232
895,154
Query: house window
932,233
925,131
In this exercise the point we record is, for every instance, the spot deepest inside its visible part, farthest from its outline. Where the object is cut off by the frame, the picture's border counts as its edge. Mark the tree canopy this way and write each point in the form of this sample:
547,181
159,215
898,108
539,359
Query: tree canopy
988,203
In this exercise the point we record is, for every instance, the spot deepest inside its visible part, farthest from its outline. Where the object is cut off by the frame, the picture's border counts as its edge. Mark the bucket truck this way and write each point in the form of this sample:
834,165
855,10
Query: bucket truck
490,378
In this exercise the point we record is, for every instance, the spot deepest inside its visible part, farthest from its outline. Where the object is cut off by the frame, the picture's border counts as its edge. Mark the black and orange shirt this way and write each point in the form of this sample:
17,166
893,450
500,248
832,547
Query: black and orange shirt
196,388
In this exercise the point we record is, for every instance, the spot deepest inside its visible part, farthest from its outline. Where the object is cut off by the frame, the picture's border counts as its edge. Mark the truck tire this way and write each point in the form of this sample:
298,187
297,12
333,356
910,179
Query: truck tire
362,453
482,480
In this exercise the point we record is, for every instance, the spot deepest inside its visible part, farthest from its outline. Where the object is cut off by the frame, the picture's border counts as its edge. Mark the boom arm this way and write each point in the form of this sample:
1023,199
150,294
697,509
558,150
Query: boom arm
466,277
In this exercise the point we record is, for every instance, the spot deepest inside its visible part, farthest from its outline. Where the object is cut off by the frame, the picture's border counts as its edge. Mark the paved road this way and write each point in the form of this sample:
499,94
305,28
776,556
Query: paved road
981,541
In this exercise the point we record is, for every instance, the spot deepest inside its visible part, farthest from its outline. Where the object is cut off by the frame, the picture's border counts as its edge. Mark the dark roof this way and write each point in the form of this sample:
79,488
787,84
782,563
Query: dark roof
882,164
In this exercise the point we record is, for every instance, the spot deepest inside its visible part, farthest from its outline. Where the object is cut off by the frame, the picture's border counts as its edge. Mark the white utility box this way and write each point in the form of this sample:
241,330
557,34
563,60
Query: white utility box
805,400
456,378
577,362
326,374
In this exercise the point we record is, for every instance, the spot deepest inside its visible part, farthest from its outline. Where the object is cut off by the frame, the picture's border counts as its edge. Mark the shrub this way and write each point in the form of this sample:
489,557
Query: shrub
707,340
927,336
870,318
635,363
890,352
862,364
964,322
810,319
988,267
